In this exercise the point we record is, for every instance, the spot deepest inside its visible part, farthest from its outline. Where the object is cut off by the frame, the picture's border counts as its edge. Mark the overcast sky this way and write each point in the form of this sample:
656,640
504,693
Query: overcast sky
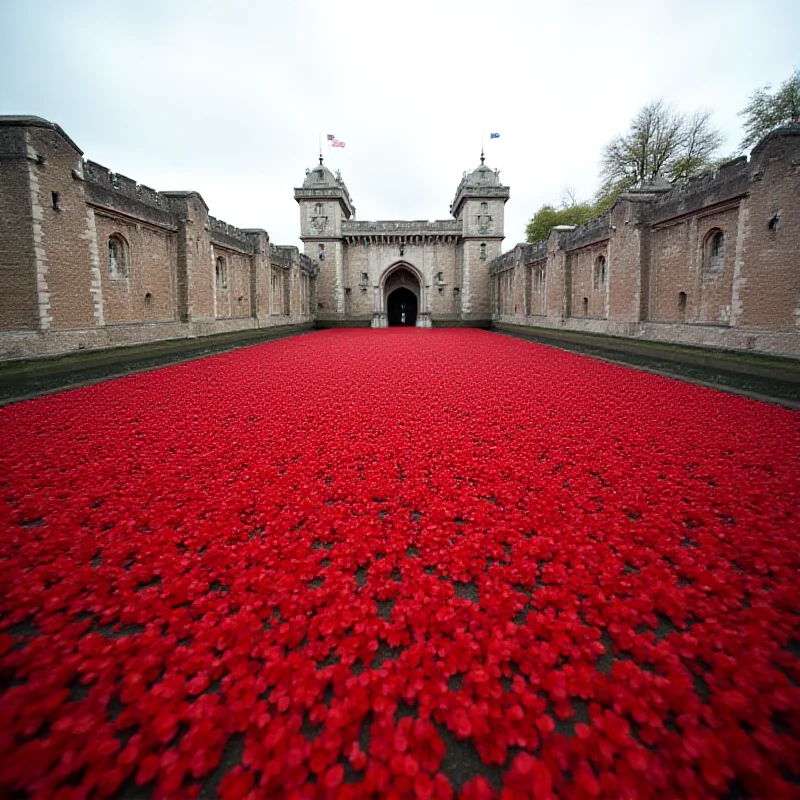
228,98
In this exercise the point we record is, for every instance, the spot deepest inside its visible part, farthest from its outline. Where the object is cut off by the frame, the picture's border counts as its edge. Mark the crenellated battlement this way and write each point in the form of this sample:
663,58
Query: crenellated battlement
729,181
595,230
710,261
534,252
110,261
126,187
283,255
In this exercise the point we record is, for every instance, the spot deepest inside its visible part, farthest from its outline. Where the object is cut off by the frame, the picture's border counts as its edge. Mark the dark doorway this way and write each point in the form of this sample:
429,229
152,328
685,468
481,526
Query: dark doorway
401,307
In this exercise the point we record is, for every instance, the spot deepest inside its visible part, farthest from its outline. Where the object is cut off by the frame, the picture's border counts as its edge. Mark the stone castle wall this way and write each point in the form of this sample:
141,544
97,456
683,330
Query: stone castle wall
714,262
181,272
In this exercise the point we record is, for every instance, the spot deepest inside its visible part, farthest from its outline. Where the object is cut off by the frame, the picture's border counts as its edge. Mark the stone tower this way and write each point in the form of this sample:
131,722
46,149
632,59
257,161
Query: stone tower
324,204
479,206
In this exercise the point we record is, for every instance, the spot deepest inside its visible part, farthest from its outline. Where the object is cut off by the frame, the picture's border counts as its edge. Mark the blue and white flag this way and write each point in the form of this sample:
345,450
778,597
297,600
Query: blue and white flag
494,135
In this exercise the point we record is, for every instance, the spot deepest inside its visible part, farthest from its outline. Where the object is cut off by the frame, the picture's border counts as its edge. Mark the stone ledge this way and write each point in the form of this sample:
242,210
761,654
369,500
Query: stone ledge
772,367
20,346
28,378
781,344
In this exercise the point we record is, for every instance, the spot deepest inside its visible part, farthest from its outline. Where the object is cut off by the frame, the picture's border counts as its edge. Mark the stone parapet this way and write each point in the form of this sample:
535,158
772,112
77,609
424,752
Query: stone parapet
33,344
756,340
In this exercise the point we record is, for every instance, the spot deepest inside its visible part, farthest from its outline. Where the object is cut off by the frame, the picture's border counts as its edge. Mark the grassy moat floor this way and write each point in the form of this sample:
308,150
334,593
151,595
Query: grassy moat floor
399,563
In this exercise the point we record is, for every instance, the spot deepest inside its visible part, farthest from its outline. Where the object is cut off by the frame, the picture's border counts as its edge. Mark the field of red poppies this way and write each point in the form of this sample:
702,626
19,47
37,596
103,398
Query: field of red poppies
401,563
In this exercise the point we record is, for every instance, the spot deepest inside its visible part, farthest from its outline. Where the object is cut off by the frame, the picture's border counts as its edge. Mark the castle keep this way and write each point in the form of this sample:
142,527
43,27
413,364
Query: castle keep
402,272
91,259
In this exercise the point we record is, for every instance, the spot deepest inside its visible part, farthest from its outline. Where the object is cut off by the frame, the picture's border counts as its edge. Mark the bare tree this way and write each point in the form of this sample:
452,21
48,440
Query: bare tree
569,197
660,141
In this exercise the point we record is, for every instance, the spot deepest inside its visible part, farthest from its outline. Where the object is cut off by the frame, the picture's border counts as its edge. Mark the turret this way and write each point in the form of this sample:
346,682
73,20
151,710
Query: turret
479,205
324,203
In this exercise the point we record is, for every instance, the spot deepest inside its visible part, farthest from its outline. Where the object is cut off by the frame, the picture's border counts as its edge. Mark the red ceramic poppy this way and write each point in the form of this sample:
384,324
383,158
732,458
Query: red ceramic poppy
423,564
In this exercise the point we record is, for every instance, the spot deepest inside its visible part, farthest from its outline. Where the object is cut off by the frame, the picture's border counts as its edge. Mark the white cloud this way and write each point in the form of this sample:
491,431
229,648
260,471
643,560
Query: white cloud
229,98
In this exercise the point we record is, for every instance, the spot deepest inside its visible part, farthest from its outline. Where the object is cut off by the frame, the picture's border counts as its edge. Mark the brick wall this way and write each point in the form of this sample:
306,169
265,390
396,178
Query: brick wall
59,290
714,262
60,205
767,276
19,301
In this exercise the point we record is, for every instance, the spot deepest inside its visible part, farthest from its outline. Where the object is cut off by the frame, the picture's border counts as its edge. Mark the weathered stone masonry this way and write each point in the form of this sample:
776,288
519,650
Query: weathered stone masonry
442,263
90,259
714,262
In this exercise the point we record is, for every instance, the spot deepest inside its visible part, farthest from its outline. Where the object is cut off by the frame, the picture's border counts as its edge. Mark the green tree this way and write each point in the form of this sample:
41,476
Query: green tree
570,212
769,110
660,141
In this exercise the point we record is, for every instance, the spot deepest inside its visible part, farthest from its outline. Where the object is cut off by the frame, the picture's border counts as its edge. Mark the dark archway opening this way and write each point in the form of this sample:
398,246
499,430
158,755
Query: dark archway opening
401,308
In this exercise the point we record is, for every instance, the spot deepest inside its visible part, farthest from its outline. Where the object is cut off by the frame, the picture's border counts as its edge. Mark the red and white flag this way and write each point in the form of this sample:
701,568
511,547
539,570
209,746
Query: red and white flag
337,143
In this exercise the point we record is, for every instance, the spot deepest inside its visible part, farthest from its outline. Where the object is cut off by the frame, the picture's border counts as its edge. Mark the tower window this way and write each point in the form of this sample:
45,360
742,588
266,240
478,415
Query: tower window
681,305
56,201
322,252
774,223
585,306
483,252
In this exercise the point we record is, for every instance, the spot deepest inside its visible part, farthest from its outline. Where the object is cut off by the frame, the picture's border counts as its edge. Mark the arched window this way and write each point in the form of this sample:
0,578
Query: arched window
221,273
118,257
714,250
585,306
538,279
600,273
681,305
483,252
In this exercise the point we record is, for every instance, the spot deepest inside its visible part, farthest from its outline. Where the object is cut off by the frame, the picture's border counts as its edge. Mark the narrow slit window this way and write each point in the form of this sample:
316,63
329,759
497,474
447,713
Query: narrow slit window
118,257
221,273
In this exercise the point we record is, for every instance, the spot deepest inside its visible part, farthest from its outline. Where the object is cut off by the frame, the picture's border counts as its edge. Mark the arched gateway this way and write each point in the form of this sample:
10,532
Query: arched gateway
402,293
401,308
443,264
401,296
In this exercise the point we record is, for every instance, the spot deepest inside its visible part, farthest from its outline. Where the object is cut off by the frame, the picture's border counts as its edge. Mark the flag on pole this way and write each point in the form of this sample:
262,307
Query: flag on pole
494,135
337,143
331,137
